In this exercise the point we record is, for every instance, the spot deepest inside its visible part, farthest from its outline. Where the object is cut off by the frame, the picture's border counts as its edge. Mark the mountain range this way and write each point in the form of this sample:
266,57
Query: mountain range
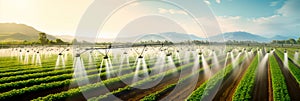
12,31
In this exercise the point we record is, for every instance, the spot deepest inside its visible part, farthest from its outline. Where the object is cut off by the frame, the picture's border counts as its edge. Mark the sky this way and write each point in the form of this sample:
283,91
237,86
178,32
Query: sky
61,17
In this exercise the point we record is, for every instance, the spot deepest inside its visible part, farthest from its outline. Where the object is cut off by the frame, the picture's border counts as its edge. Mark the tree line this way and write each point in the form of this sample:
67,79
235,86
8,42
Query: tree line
289,41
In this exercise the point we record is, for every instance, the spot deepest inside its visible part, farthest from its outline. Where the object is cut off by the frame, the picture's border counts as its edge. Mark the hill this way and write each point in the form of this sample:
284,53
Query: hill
19,32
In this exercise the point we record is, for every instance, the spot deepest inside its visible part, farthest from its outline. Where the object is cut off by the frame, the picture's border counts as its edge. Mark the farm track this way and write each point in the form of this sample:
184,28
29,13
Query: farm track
261,91
270,89
292,84
230,84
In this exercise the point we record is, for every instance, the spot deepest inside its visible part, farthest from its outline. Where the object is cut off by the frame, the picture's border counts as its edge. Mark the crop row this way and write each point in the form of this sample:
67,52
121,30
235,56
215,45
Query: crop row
36,75
91,87
52,85
29,67
295,71
245,87
30,82
26,72
34,81
280,92
141,82
207,87
155,96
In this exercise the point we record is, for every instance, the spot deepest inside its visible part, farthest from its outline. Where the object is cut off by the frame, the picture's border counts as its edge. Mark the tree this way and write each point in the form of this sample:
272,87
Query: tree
43,38
298,41
59,41
292,41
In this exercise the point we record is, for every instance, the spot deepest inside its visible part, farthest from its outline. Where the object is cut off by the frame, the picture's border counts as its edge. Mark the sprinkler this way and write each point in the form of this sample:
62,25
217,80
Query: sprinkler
20,50
285,51
200,53
61,54
169,54
240,51
105,57
77,55
38,52
28,51
177,51
140,57
125,53
268,51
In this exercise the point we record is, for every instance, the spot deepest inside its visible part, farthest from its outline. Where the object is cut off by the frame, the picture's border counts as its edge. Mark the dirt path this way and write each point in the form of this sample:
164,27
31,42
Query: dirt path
229,85
292,85
261,92
270,83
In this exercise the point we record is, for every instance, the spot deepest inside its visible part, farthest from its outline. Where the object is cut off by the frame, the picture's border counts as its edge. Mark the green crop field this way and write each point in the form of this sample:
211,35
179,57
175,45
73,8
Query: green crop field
237,73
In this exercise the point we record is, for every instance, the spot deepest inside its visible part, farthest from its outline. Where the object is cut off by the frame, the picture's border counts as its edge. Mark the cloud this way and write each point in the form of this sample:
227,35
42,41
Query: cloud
286,21
273,3
218,1
171,11
207,2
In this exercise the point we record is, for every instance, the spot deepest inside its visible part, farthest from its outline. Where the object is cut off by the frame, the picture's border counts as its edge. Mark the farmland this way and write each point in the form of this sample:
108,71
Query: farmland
149,73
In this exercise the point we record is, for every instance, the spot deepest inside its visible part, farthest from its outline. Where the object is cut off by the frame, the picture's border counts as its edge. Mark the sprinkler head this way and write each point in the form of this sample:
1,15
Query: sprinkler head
105,57
28,51
200,53
268,51
20,50
229,51
284,51
77,55
240,51
140,57
38,52
177,51
169,54
67,50
125,53
60,54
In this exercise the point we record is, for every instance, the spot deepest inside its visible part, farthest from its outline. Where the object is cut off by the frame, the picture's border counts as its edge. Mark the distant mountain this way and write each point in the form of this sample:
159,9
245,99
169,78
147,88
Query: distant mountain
280,37
241,36
180,36
171,36
13,31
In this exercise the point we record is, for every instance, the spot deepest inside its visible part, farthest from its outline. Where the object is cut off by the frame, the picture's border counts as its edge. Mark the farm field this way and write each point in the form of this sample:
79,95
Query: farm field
196,73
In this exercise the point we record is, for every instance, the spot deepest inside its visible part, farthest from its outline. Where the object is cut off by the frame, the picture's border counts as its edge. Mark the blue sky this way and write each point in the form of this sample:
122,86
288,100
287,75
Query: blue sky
247,8
263,17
